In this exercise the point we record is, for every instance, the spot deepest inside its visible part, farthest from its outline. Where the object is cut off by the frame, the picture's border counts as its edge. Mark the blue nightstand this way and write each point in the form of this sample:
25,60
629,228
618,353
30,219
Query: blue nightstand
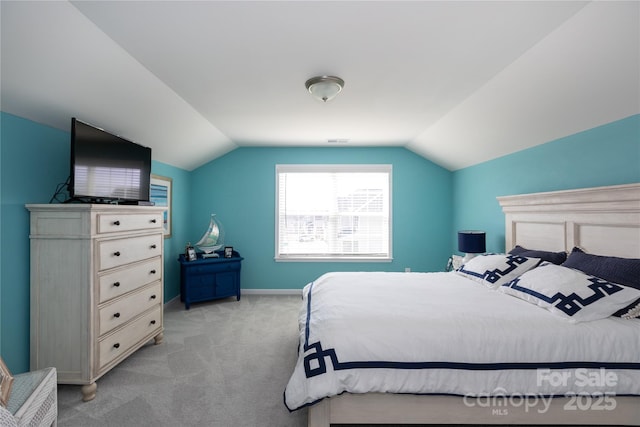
206,279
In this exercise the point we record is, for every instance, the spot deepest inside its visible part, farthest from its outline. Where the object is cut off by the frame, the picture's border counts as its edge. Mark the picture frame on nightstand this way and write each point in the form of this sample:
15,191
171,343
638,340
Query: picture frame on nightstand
228,251
190,254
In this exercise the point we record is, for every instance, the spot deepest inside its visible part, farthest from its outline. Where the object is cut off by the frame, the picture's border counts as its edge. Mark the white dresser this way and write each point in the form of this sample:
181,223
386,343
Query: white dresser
96,287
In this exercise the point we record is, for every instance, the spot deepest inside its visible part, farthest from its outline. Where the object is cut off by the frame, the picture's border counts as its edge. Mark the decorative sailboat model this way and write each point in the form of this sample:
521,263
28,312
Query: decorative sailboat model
212,240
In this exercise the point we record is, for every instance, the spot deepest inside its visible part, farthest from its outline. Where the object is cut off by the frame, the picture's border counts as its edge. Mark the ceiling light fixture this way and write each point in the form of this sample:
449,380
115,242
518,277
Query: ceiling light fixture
325,88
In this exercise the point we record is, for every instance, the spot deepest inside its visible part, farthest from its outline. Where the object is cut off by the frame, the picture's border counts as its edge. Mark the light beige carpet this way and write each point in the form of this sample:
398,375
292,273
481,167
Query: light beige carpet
223,363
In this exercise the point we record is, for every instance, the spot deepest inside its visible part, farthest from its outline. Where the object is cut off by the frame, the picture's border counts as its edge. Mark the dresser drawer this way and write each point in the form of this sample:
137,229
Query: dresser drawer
116,283
119,343
117,252
124,309
113,223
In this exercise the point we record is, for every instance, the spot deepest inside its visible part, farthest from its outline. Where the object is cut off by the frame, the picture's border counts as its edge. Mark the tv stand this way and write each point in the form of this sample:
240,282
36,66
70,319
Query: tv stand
96,287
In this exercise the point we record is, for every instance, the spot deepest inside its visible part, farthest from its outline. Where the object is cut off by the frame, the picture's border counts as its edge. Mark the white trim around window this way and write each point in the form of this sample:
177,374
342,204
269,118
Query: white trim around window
333,212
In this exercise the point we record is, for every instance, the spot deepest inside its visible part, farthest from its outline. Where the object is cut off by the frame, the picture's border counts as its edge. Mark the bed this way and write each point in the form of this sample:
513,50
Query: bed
496,368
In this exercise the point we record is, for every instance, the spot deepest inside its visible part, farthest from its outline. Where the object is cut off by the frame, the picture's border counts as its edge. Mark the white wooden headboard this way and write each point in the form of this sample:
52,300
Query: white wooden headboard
599,220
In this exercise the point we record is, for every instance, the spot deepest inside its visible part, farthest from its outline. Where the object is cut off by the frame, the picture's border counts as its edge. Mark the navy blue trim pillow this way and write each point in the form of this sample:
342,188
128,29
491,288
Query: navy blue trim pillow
625,271
570,293
494,270
553,257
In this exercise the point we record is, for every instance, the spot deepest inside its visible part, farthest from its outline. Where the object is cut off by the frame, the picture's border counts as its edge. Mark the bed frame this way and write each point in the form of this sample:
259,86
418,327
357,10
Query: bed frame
603,221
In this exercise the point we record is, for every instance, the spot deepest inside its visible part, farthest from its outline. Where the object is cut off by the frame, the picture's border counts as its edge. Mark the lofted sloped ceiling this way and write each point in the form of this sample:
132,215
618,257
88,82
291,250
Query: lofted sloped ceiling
456,82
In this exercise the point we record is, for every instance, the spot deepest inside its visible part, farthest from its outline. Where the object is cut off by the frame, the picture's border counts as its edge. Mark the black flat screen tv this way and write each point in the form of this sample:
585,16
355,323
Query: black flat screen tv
106,168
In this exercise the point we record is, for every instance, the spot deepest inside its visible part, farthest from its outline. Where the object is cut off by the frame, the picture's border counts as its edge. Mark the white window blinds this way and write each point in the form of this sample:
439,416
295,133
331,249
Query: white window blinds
333,212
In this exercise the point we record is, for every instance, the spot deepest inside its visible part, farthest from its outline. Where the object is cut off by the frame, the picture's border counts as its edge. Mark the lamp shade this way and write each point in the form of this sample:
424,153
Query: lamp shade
472,241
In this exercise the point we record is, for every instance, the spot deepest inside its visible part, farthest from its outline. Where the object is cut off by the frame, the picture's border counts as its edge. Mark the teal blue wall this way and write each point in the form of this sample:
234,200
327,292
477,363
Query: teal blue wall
430,203
606,155
180,218
35,159
240,189
1,262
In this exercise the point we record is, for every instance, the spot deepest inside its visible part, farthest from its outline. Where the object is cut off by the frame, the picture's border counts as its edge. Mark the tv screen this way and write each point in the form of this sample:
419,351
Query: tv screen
106,168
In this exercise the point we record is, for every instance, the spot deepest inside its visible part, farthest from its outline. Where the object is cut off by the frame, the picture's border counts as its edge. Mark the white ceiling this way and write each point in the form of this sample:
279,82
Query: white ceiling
457,82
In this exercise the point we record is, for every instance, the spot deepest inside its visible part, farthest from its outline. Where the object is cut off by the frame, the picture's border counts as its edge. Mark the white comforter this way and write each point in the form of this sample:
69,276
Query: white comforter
440,333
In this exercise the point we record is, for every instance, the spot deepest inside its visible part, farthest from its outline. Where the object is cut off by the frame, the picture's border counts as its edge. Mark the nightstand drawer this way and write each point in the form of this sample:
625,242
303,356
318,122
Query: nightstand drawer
121,311
117,252
118,344
113,223
214,268
116,283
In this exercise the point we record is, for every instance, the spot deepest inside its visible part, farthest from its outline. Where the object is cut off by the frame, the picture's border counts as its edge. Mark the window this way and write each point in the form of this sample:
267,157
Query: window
333,212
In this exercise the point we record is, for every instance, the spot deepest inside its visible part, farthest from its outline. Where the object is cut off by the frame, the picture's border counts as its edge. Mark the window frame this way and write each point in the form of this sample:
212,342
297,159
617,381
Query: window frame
332,168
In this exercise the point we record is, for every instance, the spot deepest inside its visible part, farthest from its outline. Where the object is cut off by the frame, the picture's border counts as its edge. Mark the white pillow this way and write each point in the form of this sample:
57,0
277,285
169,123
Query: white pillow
495,270
570,293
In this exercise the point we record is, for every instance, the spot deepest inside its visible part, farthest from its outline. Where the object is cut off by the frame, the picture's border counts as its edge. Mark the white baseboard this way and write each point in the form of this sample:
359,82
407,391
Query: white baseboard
271,291
296,292
173,300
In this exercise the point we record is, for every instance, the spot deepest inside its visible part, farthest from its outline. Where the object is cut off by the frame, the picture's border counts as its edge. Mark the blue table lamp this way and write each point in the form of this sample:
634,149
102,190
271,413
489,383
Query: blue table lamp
472,243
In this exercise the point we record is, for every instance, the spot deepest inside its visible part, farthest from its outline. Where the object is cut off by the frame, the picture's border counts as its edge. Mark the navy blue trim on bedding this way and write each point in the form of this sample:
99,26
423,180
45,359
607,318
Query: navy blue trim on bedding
572,303
306,329
493,276
315,364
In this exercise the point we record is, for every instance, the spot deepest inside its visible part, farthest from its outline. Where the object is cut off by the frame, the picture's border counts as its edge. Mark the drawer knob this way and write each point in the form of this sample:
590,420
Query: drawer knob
153,296
153,322
117,253
116,222
116,314
152,272
116,345
117,284
153,221
153,246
